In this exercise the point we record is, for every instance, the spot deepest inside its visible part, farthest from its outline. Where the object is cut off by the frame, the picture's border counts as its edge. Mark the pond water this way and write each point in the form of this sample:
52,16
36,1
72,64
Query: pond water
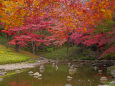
54,75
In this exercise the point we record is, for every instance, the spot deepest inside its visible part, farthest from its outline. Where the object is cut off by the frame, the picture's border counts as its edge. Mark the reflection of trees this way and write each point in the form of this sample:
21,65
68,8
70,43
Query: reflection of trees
22,83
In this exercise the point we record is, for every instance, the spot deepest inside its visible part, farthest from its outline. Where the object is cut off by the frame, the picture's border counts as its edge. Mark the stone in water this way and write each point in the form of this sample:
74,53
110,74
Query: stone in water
69,78
30,72
103,80
68,85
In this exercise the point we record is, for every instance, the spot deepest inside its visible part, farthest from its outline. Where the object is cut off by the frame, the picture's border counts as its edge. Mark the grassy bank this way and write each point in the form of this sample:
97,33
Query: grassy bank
10,56
61,53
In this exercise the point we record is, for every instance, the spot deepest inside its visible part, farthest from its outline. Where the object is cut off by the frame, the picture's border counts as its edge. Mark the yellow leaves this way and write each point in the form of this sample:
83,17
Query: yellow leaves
76,20
23,12
103,10
79,13
41,14
11,14
69,24
21,2
107,13
36,3
53,13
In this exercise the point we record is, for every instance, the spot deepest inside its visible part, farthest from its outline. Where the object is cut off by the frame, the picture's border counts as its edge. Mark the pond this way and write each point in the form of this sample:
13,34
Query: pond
55,75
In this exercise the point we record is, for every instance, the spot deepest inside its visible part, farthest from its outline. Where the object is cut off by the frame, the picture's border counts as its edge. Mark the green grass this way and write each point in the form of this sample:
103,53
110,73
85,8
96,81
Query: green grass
112,67
56,54
10,56
60,53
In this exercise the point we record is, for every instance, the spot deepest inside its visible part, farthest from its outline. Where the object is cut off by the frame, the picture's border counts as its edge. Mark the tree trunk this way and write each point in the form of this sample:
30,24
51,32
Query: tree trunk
67,53
33,46
7,40
72,49
17,47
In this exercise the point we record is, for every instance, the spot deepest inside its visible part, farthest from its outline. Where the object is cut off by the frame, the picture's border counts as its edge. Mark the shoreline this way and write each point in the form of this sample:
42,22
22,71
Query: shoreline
22,65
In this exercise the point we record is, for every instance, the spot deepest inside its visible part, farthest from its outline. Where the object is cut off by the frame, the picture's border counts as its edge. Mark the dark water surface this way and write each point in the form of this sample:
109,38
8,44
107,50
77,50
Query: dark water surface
55,76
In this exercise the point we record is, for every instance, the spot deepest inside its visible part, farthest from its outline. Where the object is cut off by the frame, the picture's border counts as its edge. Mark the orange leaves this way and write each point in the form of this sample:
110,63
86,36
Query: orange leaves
15,12
6,28
21,2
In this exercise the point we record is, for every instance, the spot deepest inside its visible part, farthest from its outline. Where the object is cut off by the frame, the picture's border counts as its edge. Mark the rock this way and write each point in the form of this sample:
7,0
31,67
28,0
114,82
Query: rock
71,71
37,74
38,77
68,85
30,72
69,78
103,80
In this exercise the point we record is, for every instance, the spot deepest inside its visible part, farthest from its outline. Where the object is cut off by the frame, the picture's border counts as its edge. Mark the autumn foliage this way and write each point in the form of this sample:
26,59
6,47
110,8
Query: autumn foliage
57,22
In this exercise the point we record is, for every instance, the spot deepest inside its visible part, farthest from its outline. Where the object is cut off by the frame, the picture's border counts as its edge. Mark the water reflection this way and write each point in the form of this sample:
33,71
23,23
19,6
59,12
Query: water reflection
1,79
69,64
53,64
95,68
30,73
56,67
46,75
22,83
72,70
42,68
